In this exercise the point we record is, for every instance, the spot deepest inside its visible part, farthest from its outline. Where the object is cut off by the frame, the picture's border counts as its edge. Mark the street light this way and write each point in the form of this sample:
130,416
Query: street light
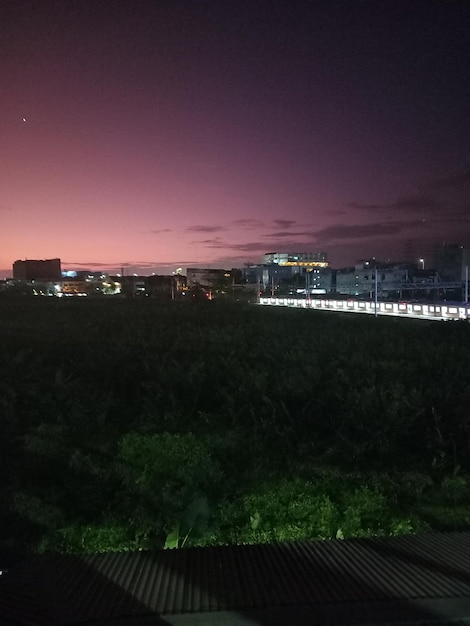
422,263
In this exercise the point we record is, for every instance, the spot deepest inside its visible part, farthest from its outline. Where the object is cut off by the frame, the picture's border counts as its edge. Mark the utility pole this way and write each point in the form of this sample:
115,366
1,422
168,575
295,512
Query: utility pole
466,283
375,290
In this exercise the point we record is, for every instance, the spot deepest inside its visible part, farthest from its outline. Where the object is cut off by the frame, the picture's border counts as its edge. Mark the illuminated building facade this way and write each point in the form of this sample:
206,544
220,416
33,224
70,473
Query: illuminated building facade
292,273
296,259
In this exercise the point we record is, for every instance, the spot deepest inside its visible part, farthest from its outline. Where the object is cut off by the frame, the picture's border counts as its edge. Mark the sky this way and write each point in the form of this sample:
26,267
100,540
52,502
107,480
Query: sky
155,134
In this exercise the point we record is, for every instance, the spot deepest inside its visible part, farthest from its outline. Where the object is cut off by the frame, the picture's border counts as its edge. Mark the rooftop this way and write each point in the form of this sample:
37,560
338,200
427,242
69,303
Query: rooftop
410,579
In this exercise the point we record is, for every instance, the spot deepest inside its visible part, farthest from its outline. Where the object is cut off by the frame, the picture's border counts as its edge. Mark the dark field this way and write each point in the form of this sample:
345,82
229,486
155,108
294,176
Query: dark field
129,424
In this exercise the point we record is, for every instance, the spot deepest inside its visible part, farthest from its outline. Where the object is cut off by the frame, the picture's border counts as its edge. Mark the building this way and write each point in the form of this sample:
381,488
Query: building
392,279
405,580
46,270
211,278
452,262
360,280
296,259
288,279
166,286
292,273
74,286
131,286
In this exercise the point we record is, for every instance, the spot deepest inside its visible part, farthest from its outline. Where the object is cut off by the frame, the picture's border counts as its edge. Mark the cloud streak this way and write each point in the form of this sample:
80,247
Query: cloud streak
342,232
287,234
110,266
283,223
205,229
452,181
402,203
248,223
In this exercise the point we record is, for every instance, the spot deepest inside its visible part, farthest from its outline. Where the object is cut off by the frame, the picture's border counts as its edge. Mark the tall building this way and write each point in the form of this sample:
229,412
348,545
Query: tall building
452,262
292,272
46,270
296,259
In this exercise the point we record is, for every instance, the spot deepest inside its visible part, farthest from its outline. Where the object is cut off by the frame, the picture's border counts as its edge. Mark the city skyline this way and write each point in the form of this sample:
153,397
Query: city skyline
150,136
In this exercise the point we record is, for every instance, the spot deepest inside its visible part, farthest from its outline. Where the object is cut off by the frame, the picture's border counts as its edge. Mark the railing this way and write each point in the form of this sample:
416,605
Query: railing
421,310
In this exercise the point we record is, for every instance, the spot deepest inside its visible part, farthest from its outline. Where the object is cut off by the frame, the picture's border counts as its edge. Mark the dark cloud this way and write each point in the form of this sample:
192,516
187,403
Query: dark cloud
237,260
284,234
205,229
415,202
158,232
252,246
110,266
457,213
216,242
250,223
366,231
260,247
90,265
402,203
148,264
284,223
451,181
438,202
367,207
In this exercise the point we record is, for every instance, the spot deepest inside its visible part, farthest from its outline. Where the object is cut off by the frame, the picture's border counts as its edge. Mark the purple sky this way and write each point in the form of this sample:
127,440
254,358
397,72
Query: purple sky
160,134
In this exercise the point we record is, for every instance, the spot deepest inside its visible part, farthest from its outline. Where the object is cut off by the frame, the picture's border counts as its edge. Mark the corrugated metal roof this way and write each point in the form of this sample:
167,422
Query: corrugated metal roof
430,570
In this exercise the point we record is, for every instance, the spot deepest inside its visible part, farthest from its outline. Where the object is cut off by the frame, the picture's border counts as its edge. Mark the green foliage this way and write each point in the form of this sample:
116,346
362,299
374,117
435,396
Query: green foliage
173,538
298,510
193,524
38,510
287,511
366,513
454,490
119,416
89,539
447,505
176,463
166,476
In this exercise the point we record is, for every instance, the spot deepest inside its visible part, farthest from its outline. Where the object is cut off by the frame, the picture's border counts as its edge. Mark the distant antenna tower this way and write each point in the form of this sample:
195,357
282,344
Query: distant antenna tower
409,250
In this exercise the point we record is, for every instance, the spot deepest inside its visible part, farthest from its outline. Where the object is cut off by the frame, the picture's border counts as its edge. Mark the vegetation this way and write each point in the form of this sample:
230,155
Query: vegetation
137,424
